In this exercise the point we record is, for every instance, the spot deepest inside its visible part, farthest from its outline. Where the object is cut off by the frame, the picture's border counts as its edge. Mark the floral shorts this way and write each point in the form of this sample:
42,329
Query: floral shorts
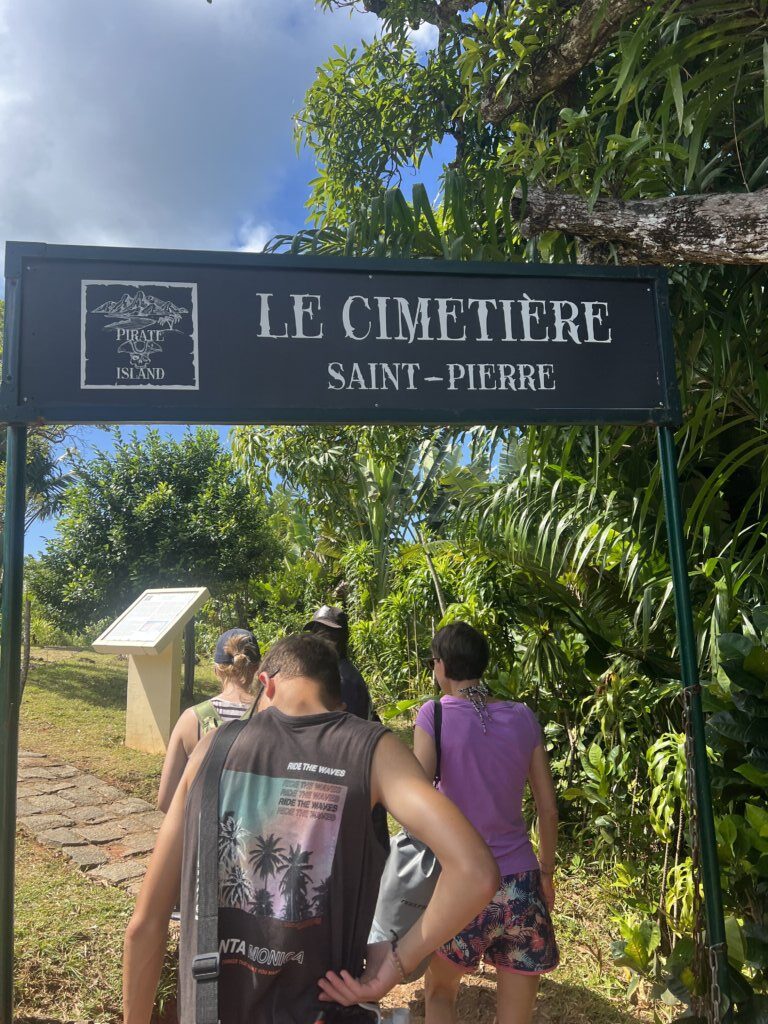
513,933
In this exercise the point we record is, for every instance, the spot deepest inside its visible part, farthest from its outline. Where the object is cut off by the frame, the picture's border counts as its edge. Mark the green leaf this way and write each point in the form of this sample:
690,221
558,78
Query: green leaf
727,725
596,757
758,819
744,680
756,776
734,645
735,941
677,92
390,711
756,663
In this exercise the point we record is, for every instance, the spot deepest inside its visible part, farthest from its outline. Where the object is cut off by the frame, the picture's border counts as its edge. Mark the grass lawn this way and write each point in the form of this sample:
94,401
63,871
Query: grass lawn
69,930
74,707
69,937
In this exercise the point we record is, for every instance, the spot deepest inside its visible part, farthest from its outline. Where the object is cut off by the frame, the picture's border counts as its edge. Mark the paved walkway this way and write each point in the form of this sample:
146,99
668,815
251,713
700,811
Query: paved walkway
98,827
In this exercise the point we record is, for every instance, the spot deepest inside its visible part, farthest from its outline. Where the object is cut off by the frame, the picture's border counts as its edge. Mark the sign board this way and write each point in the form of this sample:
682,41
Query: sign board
129,335
150,623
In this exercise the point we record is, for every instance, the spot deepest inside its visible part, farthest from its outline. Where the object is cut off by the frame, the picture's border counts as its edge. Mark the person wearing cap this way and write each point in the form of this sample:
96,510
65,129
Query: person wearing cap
235,662
333,624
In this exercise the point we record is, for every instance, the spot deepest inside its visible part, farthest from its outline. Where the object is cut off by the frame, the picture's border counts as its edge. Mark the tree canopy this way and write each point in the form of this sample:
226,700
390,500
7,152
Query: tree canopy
635,128
155,512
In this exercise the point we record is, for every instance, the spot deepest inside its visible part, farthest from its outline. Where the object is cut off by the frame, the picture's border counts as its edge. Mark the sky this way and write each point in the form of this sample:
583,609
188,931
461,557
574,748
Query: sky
160,124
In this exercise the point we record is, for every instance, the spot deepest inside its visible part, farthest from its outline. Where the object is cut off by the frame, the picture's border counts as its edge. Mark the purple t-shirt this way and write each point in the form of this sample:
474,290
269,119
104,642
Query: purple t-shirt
484,773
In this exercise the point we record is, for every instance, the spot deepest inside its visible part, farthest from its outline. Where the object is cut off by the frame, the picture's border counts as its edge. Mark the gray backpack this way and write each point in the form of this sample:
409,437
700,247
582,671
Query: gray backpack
409,879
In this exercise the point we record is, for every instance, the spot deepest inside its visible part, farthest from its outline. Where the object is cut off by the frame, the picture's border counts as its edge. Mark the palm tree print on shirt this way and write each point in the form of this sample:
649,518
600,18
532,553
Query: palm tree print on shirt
266,856
236,888
297,874
231,835
320,899
263,903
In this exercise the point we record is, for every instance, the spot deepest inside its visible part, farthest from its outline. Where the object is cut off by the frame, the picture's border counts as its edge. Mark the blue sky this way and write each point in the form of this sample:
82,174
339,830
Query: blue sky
133,122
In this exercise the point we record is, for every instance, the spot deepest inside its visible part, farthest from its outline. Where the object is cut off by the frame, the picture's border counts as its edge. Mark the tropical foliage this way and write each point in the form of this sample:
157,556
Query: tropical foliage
555,542
121,530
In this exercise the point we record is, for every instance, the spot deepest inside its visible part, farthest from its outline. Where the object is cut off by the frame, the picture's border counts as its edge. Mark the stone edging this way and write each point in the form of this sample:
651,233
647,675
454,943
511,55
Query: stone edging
98,827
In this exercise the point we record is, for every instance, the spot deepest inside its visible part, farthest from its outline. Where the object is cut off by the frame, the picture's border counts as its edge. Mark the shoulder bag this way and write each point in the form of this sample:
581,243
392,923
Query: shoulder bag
410,876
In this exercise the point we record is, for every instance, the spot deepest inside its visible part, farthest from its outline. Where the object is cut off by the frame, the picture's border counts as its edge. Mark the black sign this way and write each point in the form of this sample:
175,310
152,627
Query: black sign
123,335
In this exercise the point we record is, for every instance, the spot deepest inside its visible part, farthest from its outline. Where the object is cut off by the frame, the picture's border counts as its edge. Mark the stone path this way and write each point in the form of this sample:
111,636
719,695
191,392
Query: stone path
102,830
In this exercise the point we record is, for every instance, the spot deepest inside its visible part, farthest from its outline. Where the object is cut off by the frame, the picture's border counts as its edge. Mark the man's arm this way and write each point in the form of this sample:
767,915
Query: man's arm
147,933
468,880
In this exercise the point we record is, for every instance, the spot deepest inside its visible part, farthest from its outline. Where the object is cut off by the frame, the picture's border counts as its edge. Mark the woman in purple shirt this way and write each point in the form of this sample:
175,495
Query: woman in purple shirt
489,750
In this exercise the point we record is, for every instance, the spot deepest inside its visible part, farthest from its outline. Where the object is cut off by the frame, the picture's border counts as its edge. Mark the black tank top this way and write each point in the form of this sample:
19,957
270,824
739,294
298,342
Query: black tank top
299,866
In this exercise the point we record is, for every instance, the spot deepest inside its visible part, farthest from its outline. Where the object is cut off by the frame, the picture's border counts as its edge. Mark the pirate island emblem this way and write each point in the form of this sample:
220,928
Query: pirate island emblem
155,335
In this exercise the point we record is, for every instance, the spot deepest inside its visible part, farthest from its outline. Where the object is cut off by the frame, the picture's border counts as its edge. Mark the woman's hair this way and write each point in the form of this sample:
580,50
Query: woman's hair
462,649
339,637
246,658
464,653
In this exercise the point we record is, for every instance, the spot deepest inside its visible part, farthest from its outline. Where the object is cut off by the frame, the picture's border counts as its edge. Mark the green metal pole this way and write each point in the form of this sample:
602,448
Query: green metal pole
710,869
10,696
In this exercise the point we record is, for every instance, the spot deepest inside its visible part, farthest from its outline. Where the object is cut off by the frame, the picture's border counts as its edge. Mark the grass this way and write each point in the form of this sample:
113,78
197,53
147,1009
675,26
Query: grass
74,707
69,937
69,930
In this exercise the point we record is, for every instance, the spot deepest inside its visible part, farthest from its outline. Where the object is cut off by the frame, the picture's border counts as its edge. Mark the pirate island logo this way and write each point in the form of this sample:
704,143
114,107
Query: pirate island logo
139,335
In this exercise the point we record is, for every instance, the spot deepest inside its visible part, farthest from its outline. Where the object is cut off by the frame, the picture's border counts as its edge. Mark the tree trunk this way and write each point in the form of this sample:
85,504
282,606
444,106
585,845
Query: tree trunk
433,573
589,29
725,227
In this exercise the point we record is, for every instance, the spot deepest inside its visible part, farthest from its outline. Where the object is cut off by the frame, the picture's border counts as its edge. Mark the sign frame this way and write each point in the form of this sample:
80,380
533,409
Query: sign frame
95,408
17,415
197,598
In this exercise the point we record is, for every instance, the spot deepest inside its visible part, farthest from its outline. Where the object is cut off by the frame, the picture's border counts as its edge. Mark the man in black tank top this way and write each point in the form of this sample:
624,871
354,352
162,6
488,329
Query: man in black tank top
298,861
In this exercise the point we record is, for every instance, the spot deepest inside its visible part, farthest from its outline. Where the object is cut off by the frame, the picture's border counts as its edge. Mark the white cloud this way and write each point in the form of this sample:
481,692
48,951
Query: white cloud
132,122
253,237
425,37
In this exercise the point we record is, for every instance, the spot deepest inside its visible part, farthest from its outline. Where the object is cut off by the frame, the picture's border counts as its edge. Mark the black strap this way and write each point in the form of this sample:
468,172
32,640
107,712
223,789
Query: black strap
438,738
205,966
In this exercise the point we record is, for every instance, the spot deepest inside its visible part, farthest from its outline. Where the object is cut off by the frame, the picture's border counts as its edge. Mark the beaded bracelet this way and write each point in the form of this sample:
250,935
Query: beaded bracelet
396,956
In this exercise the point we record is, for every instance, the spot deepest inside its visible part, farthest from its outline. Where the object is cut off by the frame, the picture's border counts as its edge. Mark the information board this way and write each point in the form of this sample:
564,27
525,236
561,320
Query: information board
126,335
150,622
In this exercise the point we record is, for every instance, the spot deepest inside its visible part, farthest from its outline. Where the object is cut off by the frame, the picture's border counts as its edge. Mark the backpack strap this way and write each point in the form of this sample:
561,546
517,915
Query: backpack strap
438,737
207,717
205,966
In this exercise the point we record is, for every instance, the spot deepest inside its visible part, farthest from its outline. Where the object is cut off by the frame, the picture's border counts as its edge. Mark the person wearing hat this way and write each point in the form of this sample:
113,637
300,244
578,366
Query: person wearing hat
333,624
235,662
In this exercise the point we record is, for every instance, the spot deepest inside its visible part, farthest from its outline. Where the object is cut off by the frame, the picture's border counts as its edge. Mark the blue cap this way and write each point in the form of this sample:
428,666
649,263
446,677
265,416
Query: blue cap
251,650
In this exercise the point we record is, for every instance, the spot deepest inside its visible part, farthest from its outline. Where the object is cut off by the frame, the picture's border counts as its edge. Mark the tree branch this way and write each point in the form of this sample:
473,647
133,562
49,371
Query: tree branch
583,36
436,12
725,227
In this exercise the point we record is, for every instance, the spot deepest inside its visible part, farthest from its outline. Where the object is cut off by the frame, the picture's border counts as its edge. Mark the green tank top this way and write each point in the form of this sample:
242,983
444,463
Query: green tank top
212,713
